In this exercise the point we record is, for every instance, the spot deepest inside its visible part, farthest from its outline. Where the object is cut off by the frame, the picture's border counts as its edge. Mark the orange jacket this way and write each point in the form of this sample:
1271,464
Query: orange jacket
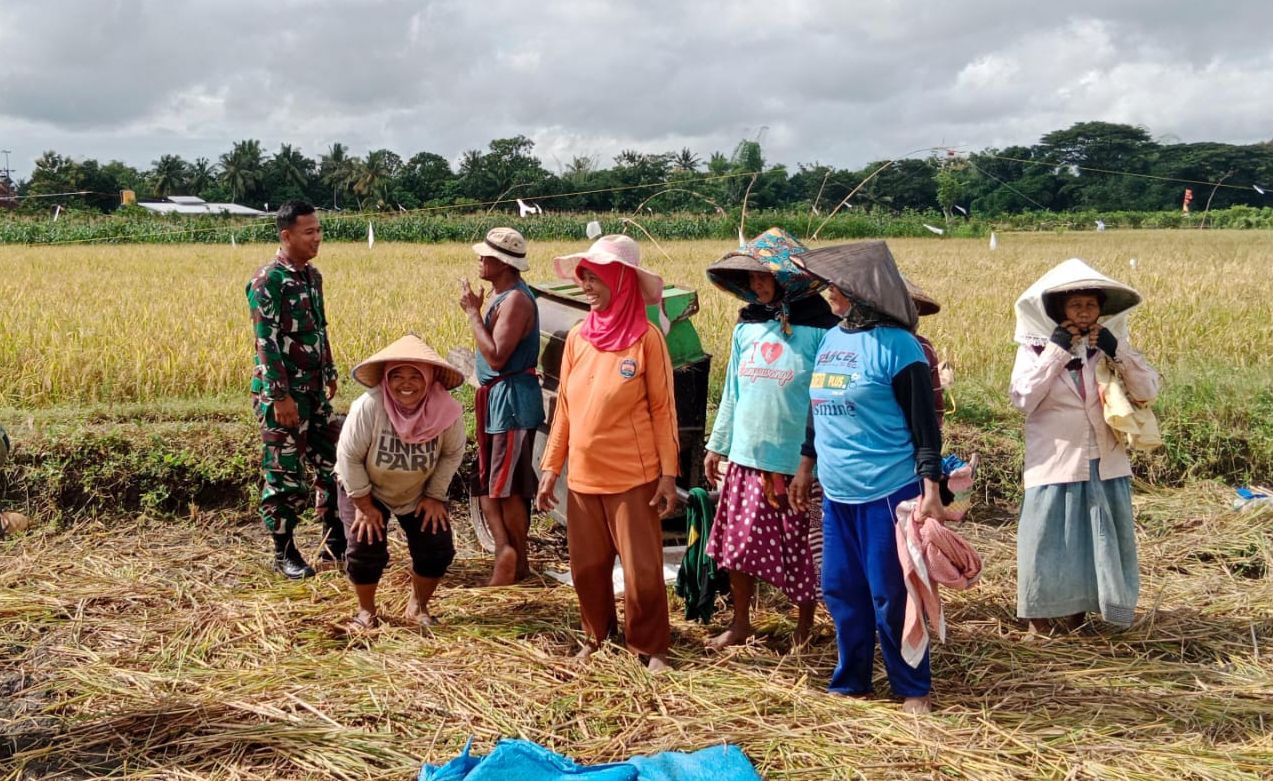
615,417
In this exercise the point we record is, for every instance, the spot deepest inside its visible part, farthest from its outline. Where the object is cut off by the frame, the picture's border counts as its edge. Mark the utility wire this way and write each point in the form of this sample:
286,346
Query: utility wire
1092,169
1005,184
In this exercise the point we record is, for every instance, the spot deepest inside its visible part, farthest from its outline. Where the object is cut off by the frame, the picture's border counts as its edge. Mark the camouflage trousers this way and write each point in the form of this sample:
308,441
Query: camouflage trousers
284,455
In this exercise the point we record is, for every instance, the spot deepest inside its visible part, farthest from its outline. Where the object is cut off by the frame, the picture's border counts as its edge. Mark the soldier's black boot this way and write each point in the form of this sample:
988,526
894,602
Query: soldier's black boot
287,559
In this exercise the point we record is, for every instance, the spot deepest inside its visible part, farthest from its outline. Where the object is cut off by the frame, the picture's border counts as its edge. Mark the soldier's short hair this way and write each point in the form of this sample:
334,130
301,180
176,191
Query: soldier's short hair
290,212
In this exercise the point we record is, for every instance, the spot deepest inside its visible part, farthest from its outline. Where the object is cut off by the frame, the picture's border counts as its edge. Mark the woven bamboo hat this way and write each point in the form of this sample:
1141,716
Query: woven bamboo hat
408,349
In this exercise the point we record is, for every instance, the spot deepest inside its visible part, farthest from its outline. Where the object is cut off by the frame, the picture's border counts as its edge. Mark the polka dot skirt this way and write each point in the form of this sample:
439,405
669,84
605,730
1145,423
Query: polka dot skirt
752,536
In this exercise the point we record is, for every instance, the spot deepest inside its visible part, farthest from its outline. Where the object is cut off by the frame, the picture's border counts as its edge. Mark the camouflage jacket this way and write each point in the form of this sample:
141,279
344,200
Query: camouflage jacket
293,354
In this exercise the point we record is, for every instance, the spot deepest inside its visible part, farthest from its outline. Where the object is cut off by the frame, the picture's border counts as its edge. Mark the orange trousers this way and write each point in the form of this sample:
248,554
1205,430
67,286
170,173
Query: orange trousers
599,526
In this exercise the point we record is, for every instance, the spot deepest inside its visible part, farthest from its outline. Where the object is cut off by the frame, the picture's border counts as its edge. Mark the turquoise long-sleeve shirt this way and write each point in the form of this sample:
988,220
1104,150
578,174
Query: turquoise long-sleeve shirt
761,419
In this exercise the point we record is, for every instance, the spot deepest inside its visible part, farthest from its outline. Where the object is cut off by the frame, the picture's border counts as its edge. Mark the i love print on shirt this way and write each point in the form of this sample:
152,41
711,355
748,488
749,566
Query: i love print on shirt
769,361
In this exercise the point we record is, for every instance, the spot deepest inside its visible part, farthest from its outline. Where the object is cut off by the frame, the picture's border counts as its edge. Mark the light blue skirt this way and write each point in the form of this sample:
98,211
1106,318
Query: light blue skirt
1076,550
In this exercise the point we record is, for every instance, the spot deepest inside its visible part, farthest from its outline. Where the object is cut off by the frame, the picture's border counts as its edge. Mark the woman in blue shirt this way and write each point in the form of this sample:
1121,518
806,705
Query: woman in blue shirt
874,436
759,429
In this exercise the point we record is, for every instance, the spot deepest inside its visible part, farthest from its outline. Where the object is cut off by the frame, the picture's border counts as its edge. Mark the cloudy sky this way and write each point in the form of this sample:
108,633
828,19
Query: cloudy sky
837,81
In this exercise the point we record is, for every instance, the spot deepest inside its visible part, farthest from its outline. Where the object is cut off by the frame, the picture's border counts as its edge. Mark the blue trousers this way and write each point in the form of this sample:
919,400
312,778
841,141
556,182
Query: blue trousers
864,592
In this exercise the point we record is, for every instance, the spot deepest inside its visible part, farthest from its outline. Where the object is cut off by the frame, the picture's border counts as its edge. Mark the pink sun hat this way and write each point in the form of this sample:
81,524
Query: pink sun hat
615,248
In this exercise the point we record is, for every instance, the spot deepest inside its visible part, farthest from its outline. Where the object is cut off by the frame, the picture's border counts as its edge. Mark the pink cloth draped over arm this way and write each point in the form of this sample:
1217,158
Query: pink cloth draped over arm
930,555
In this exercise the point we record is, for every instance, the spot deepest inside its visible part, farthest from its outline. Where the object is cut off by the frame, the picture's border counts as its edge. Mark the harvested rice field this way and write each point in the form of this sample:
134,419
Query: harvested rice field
147,648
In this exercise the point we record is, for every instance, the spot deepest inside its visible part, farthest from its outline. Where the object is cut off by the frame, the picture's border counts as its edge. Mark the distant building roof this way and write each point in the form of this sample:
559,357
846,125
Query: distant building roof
188,204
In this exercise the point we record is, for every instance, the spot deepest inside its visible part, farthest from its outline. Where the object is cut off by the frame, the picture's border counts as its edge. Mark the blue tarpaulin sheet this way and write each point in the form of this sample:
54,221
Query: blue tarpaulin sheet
528,761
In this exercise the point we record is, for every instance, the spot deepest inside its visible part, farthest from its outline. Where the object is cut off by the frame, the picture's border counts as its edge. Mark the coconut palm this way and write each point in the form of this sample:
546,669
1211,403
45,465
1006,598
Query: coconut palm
168,174
685,161
202,173
241,168
338,171
291,168
375,175
629,157
579,168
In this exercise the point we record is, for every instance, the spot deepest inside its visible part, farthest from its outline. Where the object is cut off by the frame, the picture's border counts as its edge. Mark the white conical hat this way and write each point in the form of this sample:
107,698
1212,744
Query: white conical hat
1035,325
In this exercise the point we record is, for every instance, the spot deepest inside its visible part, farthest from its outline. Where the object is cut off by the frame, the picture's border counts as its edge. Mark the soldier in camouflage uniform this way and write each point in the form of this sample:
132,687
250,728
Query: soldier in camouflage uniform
293,382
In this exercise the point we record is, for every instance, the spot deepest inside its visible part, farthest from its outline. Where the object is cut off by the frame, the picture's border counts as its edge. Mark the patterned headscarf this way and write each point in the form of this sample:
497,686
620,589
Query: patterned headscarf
771,252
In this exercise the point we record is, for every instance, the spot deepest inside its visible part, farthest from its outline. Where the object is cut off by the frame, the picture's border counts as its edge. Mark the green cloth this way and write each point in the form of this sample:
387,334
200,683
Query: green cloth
699,581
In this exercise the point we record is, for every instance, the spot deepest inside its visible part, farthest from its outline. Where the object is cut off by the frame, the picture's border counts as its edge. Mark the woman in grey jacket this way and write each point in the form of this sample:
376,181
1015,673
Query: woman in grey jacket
398,451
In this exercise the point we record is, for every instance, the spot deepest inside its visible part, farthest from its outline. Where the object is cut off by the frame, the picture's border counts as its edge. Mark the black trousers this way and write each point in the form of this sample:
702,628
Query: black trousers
431,551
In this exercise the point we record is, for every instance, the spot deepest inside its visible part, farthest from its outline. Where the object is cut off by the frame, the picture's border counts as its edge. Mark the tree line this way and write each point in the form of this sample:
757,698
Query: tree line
1088,166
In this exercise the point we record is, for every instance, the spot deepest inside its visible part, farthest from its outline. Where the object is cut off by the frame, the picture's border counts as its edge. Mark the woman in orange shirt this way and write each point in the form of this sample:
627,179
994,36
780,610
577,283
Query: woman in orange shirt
615,428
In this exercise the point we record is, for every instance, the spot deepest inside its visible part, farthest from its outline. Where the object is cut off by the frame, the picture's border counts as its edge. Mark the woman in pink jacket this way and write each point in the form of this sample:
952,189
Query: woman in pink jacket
1076,543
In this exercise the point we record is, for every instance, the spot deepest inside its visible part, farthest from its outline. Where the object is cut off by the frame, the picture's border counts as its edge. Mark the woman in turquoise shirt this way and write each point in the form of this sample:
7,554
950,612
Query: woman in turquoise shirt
760,426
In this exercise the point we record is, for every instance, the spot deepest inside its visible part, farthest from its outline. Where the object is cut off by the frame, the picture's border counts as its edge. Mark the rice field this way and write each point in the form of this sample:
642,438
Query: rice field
145,649
155,647
119,324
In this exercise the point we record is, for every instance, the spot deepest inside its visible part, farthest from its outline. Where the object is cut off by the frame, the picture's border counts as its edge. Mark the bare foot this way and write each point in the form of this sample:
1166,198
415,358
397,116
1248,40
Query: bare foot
917,706
584,654
658,664
417,615
504,572
735,635
800,639
421,618
362,623
1039,626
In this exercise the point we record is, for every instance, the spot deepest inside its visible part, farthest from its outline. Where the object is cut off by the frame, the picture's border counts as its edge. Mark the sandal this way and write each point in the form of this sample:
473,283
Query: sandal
361,623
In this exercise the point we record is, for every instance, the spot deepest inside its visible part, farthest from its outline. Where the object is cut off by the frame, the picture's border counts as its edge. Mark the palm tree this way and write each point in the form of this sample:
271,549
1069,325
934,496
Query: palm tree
168,174
718,164
202,173
241,168
685,161
291,167
629,157
472,170
338,171
375,175
580,167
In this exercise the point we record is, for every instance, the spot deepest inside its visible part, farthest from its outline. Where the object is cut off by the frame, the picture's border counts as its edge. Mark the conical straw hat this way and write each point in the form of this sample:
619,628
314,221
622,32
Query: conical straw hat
408,349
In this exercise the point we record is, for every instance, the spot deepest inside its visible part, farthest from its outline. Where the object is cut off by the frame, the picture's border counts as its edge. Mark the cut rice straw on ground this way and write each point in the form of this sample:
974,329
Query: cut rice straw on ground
142,649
